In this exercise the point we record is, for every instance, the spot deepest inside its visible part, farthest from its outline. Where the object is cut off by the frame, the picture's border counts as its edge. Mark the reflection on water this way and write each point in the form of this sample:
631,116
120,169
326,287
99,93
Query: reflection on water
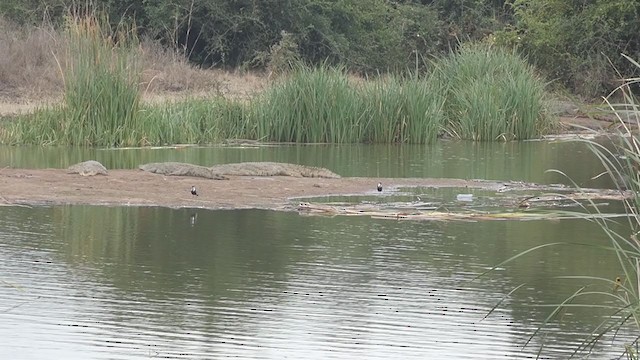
138,283
520,161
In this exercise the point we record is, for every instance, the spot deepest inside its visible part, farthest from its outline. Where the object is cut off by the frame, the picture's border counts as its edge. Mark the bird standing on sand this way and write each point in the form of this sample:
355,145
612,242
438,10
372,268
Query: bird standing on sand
379,186
193,191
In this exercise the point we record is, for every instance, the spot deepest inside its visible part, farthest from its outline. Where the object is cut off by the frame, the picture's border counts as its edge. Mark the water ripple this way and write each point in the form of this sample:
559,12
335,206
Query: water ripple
351,289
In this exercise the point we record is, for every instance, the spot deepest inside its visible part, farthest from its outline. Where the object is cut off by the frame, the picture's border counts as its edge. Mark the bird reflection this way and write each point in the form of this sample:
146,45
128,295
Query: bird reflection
194,218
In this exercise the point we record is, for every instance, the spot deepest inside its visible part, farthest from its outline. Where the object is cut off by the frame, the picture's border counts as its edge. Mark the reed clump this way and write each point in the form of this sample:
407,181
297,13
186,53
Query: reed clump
323,105
310,105
102,97
101,94
479,93
408,109
493,94
192,121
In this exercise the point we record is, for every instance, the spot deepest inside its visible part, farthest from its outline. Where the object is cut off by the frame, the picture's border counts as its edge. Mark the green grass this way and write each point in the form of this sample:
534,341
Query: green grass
622,163
323,105
493,94
309,106
191,121
620,295
101,95
404,110
479,93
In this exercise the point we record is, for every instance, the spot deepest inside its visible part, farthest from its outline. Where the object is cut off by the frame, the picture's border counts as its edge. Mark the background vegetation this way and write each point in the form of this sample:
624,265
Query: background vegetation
574,42
479,93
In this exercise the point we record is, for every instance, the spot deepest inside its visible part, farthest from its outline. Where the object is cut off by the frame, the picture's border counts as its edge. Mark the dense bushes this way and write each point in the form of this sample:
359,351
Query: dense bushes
477,93
578,43
367,35
573,42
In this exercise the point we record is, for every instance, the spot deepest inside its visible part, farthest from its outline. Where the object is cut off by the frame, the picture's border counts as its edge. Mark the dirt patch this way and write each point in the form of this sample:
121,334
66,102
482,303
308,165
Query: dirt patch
140,188
12,107
232,85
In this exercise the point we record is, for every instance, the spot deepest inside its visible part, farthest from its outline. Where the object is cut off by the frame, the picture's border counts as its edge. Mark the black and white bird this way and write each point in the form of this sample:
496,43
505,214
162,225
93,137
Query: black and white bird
194,191
379,186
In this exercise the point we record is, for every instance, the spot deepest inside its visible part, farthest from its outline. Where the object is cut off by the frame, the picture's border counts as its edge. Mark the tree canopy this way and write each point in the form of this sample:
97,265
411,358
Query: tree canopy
575,43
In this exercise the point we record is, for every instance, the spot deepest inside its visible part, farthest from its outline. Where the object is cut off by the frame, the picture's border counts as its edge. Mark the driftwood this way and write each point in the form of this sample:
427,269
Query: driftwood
546,206
88,168
241,142
240,169
376,212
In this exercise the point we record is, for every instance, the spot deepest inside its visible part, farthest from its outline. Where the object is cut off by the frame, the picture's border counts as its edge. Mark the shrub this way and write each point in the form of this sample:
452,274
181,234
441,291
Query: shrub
492,94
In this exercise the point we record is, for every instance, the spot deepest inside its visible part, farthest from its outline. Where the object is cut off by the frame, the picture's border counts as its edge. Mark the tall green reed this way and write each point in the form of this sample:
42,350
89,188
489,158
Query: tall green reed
406,109
479,93
425,107
621,160
192,121
620,157
324,105
101,99
622,164
309,105
383,102
493,94
101,80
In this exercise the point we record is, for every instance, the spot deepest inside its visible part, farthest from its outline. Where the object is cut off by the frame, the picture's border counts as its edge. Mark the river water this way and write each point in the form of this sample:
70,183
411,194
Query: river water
83,282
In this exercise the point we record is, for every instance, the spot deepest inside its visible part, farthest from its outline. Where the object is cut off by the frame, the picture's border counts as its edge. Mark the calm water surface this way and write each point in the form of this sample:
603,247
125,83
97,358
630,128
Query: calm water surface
520,161
81,282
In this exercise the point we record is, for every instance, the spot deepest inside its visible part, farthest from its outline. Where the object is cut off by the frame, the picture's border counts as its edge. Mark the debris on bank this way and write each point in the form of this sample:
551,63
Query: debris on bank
550,206
437,215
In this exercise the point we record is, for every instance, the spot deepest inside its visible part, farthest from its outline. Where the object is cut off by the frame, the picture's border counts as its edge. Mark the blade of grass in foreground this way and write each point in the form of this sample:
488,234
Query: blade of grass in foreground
622,163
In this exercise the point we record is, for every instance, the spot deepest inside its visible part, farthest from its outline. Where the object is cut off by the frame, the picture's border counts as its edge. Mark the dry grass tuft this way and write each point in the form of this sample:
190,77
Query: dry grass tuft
28,69
30,74
167,70
168,73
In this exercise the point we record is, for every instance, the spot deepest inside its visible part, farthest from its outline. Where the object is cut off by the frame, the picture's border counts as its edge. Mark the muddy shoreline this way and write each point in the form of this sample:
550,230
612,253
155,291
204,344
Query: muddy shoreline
38,187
